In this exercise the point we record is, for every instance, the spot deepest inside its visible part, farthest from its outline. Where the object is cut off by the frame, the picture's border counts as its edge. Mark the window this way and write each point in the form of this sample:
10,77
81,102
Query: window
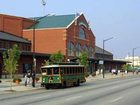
82,34
56,70
85,48
49,71
91,52
1,44
27,67
78,49
70,49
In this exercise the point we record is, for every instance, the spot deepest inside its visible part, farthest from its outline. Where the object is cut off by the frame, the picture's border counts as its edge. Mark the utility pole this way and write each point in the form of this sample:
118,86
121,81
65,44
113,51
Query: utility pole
103,55
133,54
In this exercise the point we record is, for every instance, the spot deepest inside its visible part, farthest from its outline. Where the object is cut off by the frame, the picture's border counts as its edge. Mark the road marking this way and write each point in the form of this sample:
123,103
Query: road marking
117,99
73,98
114,87
39,97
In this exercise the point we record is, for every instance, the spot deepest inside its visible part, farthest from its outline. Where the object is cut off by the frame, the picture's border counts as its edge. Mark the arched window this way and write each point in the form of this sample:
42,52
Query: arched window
82,34
78,49
85,48
91,52
70,49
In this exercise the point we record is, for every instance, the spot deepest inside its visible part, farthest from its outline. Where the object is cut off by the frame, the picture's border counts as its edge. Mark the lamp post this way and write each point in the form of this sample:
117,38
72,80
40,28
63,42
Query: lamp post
103,54
34,58
133,53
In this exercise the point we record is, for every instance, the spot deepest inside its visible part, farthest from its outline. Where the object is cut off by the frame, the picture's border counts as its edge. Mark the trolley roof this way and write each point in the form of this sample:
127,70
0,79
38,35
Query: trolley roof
51,66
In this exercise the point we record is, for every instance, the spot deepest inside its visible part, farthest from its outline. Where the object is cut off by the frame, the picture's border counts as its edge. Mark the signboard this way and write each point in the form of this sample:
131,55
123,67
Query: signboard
101,62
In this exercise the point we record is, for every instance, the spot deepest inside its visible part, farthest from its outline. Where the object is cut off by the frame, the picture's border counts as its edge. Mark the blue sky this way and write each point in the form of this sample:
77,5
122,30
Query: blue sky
119,19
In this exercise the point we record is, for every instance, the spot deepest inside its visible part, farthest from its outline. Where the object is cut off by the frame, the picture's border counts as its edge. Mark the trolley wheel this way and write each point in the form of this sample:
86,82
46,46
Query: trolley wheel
78,83
64,84
47,87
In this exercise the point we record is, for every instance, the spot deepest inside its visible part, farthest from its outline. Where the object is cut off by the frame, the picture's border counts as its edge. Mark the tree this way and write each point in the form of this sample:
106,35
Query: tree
57,57
83,59
45,63
126,67
10,60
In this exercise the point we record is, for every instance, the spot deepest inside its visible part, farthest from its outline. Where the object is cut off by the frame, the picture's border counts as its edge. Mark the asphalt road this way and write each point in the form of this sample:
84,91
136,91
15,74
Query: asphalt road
121,91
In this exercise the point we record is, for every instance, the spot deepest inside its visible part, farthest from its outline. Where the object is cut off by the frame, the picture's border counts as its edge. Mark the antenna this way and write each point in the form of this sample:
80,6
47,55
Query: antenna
43,4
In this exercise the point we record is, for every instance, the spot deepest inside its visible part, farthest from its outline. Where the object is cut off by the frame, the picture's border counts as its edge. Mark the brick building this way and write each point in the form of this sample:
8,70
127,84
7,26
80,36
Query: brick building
69,34
11,32
42,36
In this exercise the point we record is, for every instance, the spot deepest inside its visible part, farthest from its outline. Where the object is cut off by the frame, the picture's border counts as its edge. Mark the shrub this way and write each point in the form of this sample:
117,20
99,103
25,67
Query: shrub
37,79
15,79
86,74
93,74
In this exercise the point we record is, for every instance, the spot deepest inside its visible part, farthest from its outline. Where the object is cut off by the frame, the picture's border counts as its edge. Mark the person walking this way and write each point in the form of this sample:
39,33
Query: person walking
25,78
28,76
33,78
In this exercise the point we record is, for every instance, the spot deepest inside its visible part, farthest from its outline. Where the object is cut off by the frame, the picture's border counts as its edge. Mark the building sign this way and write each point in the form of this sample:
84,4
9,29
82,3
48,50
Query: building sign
101,62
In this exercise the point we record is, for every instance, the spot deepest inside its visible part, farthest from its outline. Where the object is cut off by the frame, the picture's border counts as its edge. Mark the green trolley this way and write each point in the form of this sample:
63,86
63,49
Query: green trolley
62,75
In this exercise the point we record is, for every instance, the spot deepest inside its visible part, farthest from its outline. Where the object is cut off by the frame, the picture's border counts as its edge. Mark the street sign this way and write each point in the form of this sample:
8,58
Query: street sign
101,62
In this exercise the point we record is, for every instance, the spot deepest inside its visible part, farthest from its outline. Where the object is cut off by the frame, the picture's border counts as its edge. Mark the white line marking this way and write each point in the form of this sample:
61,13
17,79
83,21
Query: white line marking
114,87
39,97
117,99
73,98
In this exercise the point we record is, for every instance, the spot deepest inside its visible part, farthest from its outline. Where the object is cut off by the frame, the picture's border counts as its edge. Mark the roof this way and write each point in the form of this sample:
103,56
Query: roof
50,66
100,51
11,37
54,21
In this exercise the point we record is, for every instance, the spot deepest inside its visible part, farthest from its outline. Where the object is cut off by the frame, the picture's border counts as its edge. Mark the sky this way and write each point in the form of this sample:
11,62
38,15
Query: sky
119,19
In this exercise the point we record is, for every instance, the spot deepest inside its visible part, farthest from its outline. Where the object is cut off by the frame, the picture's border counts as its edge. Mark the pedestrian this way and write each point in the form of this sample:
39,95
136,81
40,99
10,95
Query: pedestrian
33,78
25,78
28,76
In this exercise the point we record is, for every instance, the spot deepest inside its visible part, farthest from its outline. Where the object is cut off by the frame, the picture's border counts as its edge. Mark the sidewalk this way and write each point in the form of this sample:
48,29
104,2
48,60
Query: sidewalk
108,76
5,85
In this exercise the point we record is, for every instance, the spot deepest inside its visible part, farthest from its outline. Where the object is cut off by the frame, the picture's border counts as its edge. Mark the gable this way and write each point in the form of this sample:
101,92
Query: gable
53,21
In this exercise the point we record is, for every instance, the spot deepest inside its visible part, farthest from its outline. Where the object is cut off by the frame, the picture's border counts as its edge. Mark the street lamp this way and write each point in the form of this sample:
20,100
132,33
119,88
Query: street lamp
133,53
34,59
103,53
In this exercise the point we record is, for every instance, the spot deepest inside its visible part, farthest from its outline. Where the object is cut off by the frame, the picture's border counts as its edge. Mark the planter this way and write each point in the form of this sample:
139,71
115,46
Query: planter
36,79
17,82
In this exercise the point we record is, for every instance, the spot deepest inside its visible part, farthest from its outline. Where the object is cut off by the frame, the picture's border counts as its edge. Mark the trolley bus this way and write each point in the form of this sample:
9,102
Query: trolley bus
62,75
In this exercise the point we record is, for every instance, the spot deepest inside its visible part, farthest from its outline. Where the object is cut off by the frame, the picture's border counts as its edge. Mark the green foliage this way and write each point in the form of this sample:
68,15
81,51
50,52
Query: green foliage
129,68
83,59
126,67
57,57
45,63
10,60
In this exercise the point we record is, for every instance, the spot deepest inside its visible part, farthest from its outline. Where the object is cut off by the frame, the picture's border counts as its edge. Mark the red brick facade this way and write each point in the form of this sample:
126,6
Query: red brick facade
52,40
13,24
47,40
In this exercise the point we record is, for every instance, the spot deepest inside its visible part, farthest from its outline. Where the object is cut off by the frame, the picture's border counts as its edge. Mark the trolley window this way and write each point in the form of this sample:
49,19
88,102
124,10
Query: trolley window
49,71
56,70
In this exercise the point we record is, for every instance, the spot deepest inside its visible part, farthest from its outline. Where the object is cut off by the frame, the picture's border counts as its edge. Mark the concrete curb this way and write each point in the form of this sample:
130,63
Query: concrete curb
5,85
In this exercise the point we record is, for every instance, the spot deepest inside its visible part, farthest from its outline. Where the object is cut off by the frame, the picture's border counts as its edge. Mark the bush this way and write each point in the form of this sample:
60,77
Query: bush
15,79
87,74
0,81
37,79
93,74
